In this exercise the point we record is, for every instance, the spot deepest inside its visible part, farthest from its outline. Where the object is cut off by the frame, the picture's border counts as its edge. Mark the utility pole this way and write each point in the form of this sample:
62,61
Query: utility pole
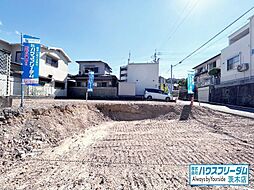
22,81
171,79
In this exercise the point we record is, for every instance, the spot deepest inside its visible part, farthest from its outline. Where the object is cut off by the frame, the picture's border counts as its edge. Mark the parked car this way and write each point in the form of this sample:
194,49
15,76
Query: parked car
157,94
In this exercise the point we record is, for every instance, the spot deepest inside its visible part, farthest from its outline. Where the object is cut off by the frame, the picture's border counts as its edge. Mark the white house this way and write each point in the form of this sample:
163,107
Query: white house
237,58
236,71
143,75
53,71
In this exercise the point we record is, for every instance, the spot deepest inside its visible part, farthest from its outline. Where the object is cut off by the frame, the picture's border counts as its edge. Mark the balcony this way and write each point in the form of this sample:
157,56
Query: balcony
203,71
211,80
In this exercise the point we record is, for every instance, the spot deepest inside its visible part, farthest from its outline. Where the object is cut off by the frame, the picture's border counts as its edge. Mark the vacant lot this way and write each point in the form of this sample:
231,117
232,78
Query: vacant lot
118,145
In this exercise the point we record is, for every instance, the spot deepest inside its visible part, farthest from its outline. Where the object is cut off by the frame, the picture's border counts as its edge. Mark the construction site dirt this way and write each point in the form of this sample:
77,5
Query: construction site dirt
62,144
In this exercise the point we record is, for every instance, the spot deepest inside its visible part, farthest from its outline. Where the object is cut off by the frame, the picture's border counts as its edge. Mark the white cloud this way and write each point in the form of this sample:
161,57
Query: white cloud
1,23
17,32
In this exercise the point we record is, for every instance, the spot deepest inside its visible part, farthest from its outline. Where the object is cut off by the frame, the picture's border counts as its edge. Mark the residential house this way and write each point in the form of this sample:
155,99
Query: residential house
53,71
203,76
163,84
207,74
237,58
105,84
141,76
236,84
237,70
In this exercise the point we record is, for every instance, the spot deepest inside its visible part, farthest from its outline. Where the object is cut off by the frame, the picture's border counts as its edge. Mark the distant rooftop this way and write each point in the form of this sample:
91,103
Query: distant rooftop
94,61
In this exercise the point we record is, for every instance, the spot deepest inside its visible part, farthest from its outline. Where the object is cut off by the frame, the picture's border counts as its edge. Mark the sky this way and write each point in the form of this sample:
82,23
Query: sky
108,30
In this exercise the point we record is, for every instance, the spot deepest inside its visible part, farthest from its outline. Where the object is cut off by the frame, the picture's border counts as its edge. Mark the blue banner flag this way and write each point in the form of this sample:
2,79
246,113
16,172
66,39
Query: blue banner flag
190,83
90,81
31,48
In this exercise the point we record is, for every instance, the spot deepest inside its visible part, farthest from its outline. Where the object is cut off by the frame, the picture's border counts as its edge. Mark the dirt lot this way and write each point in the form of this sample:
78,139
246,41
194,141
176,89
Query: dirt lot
118,145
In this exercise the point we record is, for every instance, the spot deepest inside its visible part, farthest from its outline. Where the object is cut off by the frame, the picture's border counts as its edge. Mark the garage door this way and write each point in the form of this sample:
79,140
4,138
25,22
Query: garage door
203,94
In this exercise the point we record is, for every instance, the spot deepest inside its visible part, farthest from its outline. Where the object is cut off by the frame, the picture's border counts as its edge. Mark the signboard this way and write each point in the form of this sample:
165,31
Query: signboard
219,174
30,59
90,81
190,83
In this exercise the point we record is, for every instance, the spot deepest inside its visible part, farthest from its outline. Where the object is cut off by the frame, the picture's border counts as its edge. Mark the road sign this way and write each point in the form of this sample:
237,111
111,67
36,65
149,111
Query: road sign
190,83
30,59
90,81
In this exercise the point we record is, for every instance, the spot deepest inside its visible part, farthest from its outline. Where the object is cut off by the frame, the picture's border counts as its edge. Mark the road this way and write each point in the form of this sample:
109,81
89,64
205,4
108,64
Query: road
231,109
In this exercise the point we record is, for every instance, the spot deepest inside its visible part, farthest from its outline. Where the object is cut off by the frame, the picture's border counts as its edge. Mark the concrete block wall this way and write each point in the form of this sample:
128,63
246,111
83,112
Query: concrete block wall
99,92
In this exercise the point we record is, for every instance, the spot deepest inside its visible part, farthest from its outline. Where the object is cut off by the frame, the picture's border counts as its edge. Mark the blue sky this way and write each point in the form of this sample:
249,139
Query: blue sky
107,29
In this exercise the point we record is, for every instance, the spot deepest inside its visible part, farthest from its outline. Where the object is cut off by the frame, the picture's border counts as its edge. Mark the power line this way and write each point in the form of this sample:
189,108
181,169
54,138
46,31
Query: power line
174,29
214,37
225,36
198,58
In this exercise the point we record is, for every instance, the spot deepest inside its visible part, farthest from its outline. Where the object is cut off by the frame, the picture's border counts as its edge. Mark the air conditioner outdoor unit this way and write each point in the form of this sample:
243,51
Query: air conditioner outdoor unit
243,67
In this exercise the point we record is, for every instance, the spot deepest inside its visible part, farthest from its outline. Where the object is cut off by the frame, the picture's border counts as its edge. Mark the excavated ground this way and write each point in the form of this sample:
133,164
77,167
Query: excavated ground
118,145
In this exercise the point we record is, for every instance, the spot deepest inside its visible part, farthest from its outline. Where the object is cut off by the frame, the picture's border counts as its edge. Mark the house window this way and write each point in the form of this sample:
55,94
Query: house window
51,61
232,62
18,57
101,84
212,65
104,84
94,69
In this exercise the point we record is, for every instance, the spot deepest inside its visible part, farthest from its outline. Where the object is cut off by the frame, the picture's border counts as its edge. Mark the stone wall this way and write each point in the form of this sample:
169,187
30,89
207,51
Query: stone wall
241,95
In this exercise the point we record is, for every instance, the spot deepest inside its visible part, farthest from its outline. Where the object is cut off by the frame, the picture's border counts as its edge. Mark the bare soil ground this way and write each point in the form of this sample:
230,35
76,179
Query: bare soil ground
118,145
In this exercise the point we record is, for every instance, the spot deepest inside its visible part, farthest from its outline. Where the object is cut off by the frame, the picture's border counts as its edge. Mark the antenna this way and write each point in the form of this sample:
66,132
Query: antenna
156,59
129,57
155,56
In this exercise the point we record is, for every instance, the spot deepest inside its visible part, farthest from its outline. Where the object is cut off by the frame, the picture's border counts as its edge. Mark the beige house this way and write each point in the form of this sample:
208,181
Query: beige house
53,71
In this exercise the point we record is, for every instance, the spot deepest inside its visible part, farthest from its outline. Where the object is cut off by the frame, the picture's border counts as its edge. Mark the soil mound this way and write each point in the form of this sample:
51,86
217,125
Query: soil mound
130,112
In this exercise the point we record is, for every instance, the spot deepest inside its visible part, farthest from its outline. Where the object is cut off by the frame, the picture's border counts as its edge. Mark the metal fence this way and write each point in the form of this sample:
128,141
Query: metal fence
47,90
5,67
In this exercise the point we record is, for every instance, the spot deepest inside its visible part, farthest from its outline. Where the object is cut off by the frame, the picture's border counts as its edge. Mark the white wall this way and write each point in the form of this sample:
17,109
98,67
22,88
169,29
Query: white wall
145,75
126,89
59,73
15,86
241,46
244,46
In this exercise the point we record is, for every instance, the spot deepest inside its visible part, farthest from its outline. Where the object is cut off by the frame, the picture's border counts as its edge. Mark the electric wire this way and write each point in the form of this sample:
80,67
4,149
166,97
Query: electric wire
196,50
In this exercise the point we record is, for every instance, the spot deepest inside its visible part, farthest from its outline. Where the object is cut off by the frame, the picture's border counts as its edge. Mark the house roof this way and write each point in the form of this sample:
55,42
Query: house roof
4,41
61,51
94,61
49,48
207,61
